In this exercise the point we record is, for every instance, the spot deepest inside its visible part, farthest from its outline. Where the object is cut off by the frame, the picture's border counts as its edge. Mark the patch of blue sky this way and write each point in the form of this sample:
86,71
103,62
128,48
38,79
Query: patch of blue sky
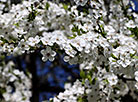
135,9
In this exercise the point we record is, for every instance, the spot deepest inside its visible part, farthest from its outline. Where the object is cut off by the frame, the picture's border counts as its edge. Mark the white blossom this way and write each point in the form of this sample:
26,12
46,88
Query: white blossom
136,76
103,43
80,2
48,53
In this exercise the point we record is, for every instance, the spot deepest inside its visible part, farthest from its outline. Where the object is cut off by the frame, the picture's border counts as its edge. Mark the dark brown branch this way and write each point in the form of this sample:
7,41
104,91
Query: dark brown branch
125,79
30,60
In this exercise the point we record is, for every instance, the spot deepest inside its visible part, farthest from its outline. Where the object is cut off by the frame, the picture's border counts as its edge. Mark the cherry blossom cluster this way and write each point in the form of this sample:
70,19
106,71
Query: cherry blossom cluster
102,39
14,84
71,94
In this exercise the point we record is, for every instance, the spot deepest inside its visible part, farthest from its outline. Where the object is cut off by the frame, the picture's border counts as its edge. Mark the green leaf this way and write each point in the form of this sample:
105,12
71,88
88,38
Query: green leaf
82,30
101,30
131,55
2,90
105,80
132,35
32,7
12,39
113,56
82,99
82,74
4,40
16,24
75,28
89,78
24,98
72,37
136,57
2,57
94,69
65,6
83,82
47,6
79,33
32,15
115,45
49,24
94,81
100,18
134,31
116,88
113,60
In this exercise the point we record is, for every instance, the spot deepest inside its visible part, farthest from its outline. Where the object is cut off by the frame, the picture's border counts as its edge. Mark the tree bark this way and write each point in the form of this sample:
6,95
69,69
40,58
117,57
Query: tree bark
31,64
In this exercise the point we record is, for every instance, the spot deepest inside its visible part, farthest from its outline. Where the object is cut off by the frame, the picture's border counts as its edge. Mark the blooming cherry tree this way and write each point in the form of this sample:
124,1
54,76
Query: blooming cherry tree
101,36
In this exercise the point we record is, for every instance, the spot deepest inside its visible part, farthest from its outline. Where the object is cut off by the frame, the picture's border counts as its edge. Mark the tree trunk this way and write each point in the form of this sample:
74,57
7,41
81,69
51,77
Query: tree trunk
31,65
